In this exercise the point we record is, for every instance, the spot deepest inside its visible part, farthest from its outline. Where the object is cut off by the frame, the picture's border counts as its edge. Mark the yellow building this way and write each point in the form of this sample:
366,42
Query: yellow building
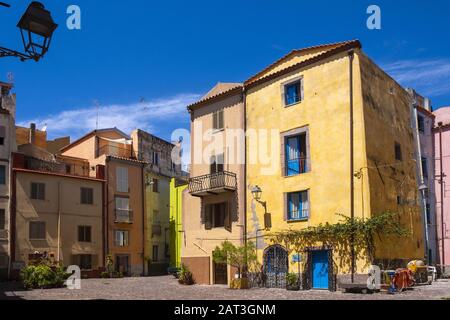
310,164
306,98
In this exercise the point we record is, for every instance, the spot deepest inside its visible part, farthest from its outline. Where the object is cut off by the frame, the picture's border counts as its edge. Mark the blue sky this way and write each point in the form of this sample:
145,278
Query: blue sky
143,61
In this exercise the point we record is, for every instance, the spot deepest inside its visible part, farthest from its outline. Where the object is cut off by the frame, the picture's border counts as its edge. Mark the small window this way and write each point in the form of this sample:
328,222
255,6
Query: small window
155,253
2,219
155,158
121,238
425,167
84,234
2,175
399,200
217,216
421,123
2,135
155,185
156,217
218,122
217,164
87,196
398,152
428,208
123,212
298,206
85,262
293,93
37,230
122,179
38,191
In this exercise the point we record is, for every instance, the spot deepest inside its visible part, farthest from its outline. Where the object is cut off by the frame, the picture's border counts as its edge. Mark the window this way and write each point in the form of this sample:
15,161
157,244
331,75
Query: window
217,216
2,219
428,211
425,167
421,123
37,230
123,212
217,164
155,254
155,158
298,206
155,185
2,175
293,93
122,179
399,200
38,191
296,155
85,262
218,123
87,196
121,238
84,234
156,218
2,135
398,152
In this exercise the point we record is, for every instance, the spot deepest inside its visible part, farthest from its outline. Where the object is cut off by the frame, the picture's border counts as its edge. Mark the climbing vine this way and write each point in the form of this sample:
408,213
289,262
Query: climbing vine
339,235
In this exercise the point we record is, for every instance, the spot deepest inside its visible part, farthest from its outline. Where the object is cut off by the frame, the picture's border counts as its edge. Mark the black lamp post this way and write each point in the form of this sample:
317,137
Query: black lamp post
257,193
36,27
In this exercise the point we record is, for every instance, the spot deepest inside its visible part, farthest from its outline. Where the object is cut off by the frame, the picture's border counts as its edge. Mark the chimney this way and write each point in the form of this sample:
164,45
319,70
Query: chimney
33,133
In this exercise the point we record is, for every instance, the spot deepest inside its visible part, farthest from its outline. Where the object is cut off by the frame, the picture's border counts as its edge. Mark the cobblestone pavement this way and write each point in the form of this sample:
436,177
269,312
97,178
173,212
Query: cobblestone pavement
167,288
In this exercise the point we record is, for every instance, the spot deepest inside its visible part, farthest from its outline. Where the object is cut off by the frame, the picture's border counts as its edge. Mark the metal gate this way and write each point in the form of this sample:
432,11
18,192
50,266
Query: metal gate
275,266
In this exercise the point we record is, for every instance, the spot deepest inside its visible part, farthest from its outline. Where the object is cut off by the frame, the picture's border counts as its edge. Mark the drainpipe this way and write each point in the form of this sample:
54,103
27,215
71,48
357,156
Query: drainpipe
106,235
59,223
12,220
244,98
441,162
352,168
144,223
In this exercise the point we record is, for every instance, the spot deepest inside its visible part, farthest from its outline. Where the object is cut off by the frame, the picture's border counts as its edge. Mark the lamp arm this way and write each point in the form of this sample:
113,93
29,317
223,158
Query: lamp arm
5,52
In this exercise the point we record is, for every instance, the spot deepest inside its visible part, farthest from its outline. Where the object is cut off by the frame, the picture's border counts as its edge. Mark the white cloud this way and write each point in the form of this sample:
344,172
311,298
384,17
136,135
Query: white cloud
153,116
429,77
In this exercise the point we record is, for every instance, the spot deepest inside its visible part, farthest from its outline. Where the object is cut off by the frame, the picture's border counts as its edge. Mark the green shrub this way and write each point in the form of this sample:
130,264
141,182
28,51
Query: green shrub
291,279
185,276
43,277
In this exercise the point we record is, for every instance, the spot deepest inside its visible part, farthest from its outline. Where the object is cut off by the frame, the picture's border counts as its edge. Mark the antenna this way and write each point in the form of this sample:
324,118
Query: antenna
97,106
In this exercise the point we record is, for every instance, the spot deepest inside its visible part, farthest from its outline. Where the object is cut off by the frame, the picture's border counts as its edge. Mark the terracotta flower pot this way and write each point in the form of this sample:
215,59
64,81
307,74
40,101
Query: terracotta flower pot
239,284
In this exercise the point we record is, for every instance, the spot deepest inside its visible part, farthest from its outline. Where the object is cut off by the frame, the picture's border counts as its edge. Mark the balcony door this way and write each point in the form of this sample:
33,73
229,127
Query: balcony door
216,170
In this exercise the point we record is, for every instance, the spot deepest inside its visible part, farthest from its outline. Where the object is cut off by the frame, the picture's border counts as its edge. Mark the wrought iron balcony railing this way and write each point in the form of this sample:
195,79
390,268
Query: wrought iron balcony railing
213,183
124,216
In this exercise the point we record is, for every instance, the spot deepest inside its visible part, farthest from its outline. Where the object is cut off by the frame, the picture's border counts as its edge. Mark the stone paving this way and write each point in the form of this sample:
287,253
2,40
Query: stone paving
167,288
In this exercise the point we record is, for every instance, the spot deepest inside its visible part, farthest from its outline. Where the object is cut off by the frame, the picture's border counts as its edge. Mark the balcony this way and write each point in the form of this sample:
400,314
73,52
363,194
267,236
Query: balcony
124,151
213,184
124,216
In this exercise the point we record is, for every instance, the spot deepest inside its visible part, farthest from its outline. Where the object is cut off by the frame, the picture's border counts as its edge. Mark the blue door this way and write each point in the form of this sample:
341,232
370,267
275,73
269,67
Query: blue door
320,270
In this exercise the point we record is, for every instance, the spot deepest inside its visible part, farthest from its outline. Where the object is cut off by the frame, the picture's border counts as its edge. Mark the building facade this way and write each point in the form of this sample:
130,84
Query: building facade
7,145
178,187
213,210
159,170
57,212
125,230
442,153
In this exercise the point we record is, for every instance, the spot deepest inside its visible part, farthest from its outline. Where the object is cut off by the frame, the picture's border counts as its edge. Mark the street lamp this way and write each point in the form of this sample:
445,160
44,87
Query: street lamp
257,193
36,28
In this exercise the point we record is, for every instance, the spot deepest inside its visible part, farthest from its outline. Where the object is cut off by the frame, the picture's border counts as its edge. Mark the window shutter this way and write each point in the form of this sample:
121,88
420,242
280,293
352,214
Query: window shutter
88,234
80,234
286,207
42,192
283,157
220,163
220,120
228,217
302,90
94,261
215,121
208,217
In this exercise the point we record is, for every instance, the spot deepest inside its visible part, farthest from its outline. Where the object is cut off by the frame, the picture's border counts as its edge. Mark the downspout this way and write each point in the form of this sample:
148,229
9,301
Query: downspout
104,230
244,98
352,168
441,162
106,234
144,222
12,221
59,223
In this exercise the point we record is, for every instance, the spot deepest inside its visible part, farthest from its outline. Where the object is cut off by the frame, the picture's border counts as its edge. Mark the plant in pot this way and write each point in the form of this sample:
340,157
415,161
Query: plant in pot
292,282
237,257
185,276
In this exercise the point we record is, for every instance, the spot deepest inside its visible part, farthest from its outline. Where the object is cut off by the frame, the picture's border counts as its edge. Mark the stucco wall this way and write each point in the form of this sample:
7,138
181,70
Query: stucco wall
72,212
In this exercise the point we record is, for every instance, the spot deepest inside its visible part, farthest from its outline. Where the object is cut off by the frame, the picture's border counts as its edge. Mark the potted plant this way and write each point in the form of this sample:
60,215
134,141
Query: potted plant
185,276
236,257
292,283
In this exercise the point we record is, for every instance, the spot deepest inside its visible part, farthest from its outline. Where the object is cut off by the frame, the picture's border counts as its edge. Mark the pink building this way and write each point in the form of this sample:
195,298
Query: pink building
442,145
